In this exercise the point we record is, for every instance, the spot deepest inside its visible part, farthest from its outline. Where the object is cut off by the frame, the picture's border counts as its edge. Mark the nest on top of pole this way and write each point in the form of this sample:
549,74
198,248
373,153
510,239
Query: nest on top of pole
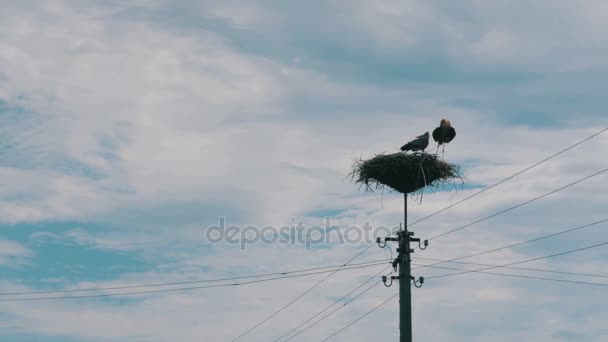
404,172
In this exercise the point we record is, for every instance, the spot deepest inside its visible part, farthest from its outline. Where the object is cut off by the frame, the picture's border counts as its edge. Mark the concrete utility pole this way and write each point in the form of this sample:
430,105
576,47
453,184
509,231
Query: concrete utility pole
403,262
405,274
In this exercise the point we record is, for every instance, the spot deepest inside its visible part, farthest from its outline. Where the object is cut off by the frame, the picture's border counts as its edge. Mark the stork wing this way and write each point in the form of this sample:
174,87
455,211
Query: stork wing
451,134
436,134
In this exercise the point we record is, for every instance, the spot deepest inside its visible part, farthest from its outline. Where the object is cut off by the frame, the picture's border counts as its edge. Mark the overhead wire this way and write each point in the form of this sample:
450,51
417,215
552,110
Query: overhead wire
185,282
522,276
361,317
523,261
334,311
181,288
518,205
493,273
514,207
522,242
514,268
510,177
275,313
328,307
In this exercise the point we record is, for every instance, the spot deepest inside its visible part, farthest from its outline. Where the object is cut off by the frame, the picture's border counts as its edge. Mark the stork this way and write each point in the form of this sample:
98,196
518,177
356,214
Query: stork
444,133
419,144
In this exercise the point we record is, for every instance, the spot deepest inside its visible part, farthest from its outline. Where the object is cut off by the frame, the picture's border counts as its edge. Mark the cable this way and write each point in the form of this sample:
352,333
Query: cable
362,317
299,296
515,268
331,305
524,276
510,177
517,206
322,280
522,243
334,311
524,261
496,214
183,282
476,271
182,288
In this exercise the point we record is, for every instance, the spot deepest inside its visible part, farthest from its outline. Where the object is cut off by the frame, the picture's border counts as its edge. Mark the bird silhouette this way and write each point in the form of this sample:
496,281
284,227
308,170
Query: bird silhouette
444,133
419,144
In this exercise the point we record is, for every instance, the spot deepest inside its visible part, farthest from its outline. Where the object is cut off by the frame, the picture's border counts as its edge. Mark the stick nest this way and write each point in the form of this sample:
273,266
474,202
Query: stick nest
403,172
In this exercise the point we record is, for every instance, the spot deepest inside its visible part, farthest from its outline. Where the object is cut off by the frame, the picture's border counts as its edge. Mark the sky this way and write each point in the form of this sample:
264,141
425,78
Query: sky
129,129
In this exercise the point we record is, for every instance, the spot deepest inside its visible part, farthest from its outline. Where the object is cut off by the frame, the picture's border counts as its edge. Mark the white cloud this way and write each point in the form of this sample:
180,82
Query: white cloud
245,15
112,114
11,248
13,253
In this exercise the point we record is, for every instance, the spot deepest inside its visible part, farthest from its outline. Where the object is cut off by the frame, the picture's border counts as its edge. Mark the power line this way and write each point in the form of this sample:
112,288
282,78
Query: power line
182,288
300,295
514,268
185,282
322,280
523,261
517,206
521,243
504,211
494,273
327,308
334,311
510,177
523,276
362,317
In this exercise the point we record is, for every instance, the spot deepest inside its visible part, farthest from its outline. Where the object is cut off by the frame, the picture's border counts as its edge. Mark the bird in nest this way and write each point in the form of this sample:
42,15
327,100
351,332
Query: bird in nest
419,144
444,133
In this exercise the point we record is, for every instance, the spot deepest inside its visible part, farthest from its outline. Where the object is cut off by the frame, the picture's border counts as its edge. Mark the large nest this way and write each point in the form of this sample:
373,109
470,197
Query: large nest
403,172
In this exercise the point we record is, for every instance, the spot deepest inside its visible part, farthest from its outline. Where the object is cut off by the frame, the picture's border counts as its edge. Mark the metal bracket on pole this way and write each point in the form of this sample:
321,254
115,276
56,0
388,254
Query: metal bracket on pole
419,281
402,264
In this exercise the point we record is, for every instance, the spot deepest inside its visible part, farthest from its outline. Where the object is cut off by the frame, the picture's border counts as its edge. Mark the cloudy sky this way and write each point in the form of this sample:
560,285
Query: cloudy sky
127,128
